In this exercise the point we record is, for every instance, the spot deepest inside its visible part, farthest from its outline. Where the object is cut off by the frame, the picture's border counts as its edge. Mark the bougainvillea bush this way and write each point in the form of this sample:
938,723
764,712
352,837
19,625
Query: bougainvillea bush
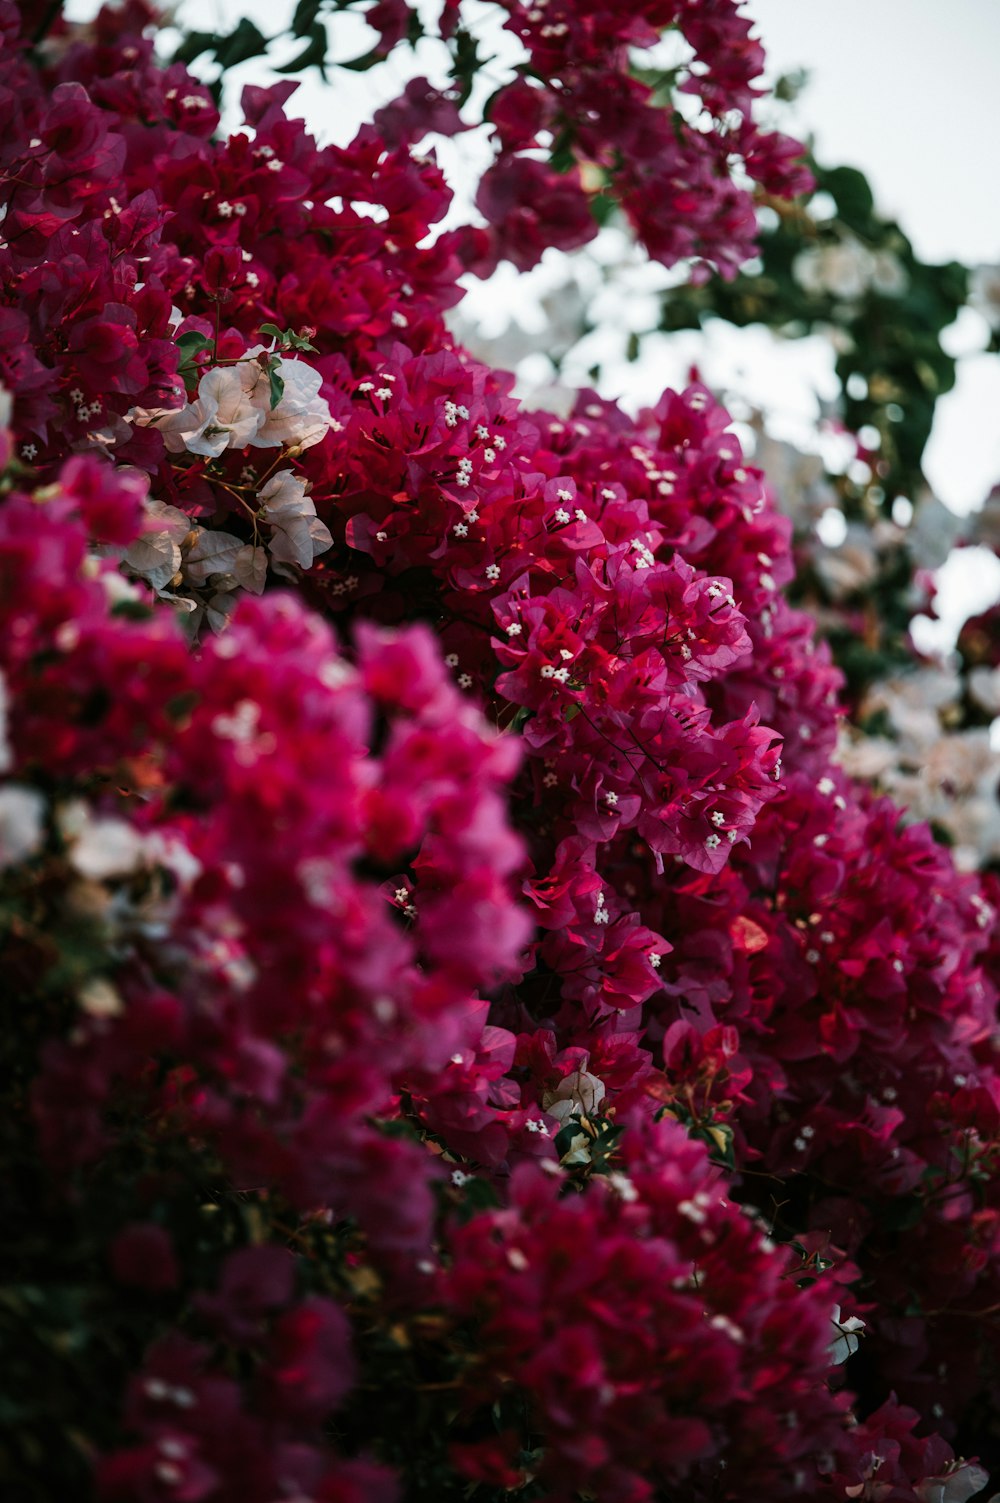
464,1038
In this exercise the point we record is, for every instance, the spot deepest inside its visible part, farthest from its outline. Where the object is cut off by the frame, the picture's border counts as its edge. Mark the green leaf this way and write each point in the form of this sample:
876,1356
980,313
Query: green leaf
191,345
561,158
567,1135
132,610
276,383
193,340
479,1195
194,45
603,206
304,19
853,196
313,54
180,706
364,62
287,338
245,42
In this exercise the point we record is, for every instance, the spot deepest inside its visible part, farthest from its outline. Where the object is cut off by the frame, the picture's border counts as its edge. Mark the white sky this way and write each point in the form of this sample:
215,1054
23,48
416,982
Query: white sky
906,90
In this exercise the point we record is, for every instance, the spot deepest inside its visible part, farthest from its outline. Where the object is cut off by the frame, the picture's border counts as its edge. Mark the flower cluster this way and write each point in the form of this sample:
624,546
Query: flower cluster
583,87
202,1434
439,1010
660,1378
294,986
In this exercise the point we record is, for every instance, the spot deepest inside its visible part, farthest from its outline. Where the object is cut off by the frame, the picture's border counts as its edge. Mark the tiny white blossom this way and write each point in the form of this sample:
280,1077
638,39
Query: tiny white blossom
492,571
465,681
514,629
562,516
623,1186
22,823
729,1327
691,1211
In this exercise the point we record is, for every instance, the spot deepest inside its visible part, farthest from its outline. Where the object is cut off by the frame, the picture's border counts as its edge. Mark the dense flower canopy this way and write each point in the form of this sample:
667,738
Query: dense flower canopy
464,1031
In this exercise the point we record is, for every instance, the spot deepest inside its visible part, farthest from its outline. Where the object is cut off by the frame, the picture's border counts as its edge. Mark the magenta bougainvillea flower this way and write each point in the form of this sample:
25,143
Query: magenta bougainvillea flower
468,1036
